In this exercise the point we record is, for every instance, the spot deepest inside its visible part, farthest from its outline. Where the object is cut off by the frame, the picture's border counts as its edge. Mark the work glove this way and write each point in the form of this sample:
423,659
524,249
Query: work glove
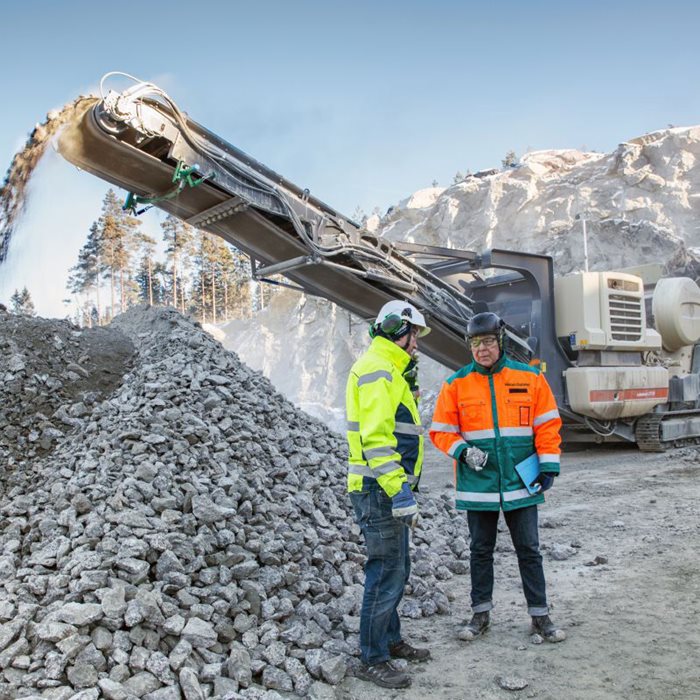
404,507
410,374
544,480
474,458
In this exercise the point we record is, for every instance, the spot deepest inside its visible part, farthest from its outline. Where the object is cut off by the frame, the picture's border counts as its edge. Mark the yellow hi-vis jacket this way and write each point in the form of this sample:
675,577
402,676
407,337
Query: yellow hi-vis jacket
385,436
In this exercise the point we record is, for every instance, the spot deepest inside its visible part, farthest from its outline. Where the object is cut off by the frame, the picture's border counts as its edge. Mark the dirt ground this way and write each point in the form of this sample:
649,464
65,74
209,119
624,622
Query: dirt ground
633,623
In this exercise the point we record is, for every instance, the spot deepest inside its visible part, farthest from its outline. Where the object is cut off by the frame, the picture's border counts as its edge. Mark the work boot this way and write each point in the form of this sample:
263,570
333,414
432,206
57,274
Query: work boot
542,625
403,650
383,674
476,626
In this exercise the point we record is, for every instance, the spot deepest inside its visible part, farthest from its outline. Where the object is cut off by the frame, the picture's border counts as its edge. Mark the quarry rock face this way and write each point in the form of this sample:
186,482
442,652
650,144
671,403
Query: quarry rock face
188,534
640,202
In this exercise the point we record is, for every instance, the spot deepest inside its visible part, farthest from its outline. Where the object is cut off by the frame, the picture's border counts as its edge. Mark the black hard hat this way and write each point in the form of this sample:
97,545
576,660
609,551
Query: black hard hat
485,323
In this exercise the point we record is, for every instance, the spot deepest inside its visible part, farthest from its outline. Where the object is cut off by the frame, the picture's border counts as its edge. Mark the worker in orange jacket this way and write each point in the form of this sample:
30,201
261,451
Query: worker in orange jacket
490,415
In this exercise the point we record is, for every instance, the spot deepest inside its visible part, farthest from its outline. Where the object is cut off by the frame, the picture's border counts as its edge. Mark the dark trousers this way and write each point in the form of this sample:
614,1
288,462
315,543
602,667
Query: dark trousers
483,528
386,573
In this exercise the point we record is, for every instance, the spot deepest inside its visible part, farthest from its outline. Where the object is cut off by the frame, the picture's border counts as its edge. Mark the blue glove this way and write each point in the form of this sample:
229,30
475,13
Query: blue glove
404,506
545,480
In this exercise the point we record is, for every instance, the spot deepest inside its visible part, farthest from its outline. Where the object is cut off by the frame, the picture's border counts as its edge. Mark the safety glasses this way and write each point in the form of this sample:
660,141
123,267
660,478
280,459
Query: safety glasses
488,341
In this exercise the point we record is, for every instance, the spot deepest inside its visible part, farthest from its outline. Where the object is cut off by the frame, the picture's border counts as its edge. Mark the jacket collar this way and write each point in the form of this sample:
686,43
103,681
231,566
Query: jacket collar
495,367
391,351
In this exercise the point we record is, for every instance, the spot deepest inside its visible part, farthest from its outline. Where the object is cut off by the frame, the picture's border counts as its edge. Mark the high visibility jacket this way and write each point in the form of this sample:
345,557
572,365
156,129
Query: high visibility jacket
509,412
385,436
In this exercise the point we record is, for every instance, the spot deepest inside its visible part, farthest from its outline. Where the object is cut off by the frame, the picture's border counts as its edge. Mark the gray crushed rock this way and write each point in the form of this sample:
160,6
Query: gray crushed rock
511,683
187,533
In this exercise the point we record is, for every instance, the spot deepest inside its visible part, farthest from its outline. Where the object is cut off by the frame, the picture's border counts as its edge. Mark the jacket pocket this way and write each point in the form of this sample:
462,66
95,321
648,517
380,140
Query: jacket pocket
472,411
519,410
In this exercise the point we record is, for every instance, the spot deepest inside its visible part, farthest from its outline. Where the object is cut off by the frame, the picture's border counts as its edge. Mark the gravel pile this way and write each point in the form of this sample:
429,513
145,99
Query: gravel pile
51,374
189,537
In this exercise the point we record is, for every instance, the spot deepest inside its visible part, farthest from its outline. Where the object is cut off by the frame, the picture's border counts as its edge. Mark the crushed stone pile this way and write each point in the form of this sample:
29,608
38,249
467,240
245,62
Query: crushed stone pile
191,537
52,373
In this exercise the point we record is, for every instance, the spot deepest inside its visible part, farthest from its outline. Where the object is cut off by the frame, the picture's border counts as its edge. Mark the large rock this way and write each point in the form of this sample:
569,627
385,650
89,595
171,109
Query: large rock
80,614
199,633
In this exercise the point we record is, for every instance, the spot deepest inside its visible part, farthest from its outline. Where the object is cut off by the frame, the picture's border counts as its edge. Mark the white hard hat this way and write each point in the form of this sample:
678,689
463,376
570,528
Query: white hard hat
405,312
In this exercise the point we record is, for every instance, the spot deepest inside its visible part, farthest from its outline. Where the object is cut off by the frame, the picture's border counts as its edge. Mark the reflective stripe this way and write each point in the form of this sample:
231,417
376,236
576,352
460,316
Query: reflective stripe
373,376
544,417
383,451
479,497
361,470
403,428
409,429
452,450
550,458
444,428
479,434
515,495
364,470
516,432
385,468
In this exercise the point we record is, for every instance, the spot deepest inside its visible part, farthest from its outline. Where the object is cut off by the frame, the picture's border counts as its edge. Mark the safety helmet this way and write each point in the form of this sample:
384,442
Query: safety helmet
395,319
486,323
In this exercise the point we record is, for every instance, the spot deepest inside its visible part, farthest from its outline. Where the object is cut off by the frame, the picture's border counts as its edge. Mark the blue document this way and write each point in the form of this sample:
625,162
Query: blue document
528,470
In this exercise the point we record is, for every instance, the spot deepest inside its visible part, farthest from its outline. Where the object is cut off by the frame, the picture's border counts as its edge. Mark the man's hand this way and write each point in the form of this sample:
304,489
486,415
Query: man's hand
474,458
545,481
404,507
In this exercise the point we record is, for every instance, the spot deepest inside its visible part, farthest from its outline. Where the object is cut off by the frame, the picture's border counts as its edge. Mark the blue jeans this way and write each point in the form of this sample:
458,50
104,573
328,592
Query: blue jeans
386,572
522,524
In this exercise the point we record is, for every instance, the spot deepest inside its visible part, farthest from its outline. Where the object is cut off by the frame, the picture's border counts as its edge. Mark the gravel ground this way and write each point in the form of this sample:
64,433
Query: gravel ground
632,621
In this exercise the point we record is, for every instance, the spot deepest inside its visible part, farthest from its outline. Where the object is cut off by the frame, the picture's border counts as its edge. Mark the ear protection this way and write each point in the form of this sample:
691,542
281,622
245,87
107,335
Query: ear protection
391,324
393,327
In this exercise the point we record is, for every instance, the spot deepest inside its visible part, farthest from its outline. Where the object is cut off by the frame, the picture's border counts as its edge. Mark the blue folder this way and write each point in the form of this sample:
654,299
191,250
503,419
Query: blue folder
528,470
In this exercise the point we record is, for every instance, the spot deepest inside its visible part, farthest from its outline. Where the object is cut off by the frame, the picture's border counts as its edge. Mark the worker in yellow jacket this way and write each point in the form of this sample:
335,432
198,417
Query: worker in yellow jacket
490,416
385,443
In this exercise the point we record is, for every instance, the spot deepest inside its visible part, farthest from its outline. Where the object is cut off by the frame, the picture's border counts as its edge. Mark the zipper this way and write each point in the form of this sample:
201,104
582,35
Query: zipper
497,432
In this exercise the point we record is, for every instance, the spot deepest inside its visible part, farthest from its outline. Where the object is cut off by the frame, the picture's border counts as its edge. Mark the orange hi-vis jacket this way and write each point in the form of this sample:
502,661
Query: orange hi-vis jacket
509,412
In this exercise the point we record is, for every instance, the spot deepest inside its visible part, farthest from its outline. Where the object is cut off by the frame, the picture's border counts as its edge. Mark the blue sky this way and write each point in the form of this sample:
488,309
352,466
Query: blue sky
362,102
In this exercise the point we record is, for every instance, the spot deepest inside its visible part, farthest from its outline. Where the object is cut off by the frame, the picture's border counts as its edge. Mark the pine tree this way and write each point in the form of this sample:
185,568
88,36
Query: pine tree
118,241
233,272
359,216
200,295
84,276
144,274
178,237
510,160
211,253
237,285
21,303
